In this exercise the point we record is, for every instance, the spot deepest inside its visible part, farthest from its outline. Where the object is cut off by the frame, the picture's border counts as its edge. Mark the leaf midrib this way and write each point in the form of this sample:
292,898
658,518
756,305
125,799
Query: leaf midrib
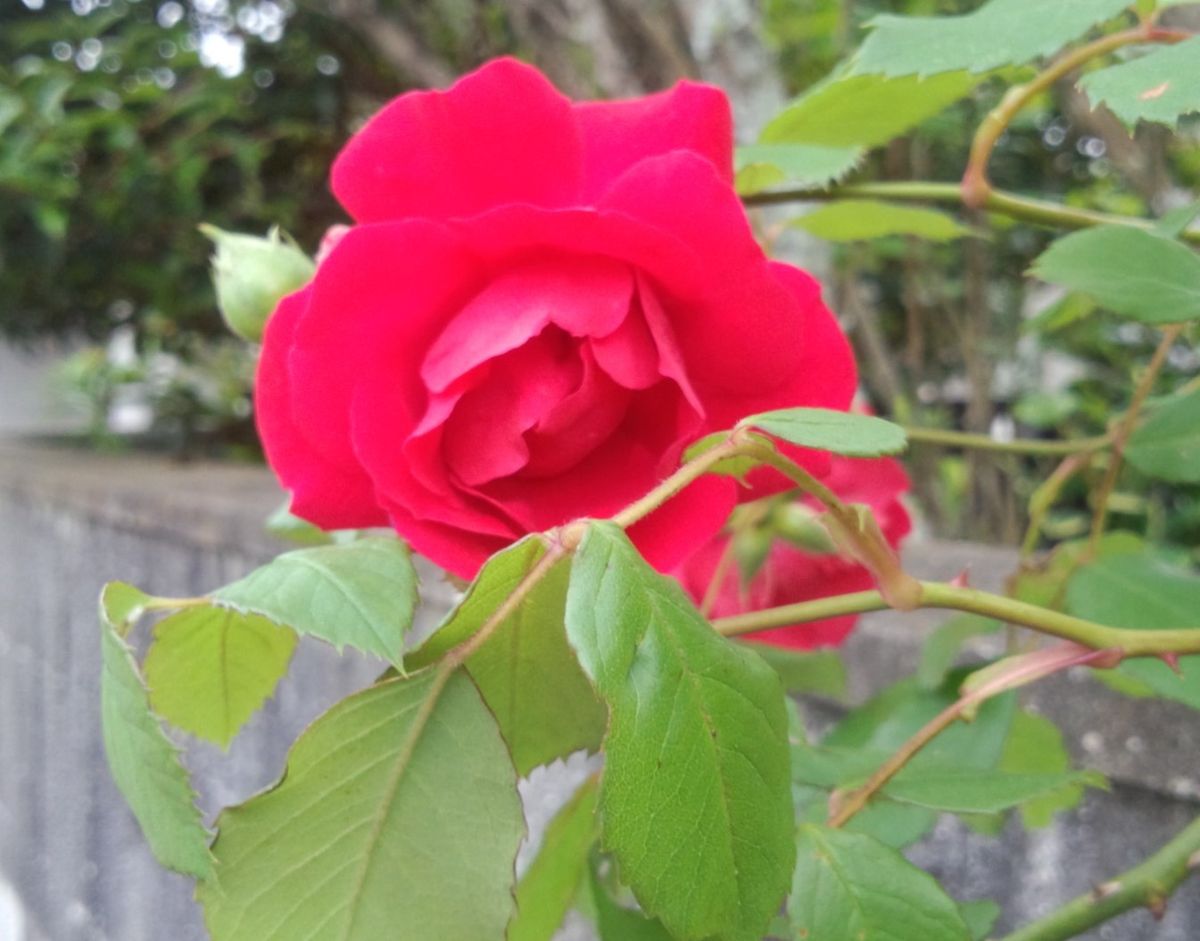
420,721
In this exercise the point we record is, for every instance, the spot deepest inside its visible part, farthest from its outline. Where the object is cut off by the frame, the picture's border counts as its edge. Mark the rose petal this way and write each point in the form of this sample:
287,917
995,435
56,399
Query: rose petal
808,584
333,496
461,552
377,303
583,296
512,231
690,518
502,134
742,336
484,437
629,354
614,475
825,377
618,134
670,359
876,482
578,423
392,462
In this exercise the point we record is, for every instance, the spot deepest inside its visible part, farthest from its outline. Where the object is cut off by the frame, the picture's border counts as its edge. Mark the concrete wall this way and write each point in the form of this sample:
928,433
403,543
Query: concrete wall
72,854
31,395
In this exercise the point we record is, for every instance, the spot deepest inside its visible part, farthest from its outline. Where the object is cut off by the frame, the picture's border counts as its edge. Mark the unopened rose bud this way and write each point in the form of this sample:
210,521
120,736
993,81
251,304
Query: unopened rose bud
800,526
251,273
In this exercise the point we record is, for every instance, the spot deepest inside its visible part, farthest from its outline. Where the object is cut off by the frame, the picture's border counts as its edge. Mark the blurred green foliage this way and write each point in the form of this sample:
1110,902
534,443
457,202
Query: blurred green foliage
952,334
118,141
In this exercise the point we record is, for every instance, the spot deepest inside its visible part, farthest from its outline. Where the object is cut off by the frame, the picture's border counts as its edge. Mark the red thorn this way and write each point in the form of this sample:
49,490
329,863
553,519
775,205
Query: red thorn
1171,660
1157,906
962,579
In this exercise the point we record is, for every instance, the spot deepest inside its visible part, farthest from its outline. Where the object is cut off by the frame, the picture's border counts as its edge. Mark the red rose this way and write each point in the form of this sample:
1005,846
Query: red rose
790,574
541,303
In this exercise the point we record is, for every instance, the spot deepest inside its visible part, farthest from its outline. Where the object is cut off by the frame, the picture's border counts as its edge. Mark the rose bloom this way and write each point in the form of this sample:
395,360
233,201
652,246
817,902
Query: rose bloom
790,574
539,305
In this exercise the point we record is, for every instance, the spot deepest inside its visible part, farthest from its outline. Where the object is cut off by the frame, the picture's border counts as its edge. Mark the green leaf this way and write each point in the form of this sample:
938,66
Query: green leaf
552,881
1167,444
1070,309
1135,273
1046,584
398,817
11,107
761,166
210,669
827,767
834,766
1174,223
614,922
1143,593
1046,409
942,647
1161,86
1035,745
848,220
966,791
285,525
817,672
362,594
845,433
1001,32
895,825
934,785
854,111
737,467
847,885
121,604
980,917
696,754
891,718
144,762
526,672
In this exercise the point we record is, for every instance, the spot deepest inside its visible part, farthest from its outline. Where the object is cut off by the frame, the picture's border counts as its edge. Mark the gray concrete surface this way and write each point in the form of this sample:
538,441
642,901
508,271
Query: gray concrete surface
31,395
72,854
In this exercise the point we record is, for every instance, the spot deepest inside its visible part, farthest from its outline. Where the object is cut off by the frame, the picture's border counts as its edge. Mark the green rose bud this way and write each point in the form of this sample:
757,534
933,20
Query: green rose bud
798,524
252,273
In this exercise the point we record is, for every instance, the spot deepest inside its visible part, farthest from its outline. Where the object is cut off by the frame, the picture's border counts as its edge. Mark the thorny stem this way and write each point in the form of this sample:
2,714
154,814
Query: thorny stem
1017,672
1131,643
975,184
796,474
854,530
1046,495
1125,429
686,474
462,653
1148,885
1022,208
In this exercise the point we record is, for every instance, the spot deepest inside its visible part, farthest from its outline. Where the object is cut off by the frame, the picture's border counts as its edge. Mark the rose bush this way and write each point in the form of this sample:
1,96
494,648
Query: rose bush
790,574
540,304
